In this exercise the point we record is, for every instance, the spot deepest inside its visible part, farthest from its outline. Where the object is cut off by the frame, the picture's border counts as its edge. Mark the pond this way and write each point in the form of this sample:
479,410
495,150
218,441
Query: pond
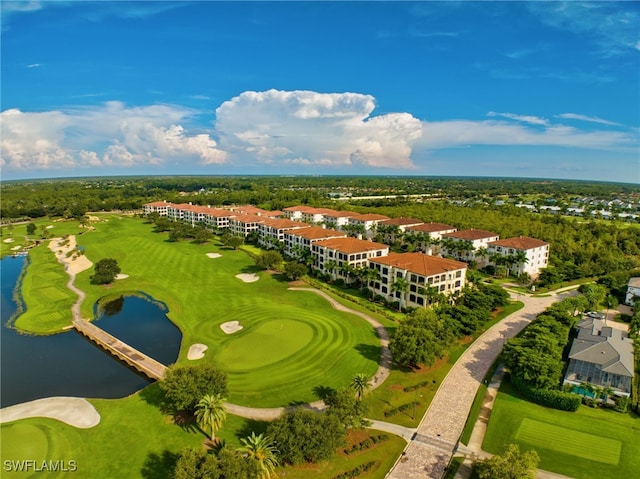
67,364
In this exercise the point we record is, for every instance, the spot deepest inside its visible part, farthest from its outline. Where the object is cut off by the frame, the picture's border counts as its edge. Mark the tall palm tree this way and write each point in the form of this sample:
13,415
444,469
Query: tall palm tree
400,285
360,383
610,302
260,448
520,259
331,266
211,412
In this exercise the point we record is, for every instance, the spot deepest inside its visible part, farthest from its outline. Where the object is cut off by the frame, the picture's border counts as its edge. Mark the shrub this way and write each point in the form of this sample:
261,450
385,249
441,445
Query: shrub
356,472
548,397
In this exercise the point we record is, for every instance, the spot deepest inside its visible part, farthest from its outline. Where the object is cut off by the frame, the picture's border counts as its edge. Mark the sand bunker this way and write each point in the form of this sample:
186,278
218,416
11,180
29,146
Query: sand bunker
196,351
50,227
248,278
16,248
214,255
231,327
122,276
74,264
9,240
77,412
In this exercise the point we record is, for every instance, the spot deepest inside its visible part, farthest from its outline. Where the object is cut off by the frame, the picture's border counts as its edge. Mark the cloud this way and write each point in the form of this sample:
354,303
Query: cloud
534,120
613,26
34,65
457,133
306,127
110,135
593,119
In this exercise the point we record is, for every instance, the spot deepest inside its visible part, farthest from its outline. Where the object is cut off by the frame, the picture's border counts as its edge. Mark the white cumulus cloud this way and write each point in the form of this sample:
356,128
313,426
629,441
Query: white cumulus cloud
109,135
311,128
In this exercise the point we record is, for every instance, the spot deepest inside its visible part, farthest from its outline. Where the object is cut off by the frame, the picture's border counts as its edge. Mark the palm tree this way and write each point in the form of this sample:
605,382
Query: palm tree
346,269
211,412
331,266
260,449
520,259
607,392
482,253
400,285
610,302
360,383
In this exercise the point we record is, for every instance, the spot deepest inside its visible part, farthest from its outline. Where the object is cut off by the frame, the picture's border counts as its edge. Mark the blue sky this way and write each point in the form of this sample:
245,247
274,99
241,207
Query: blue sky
523,89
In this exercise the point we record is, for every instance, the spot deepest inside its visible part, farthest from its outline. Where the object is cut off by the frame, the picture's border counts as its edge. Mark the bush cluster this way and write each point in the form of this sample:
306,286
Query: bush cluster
401,408
362,468
366,444
547,397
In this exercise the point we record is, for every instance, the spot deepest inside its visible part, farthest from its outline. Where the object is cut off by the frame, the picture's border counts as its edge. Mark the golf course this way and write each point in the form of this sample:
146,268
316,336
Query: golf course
291,342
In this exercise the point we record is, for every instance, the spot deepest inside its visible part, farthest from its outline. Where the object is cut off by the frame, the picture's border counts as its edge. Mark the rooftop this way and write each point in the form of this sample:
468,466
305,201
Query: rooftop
402,222
520,242
351,245
420,263
431,227
471,234
315,232
283,223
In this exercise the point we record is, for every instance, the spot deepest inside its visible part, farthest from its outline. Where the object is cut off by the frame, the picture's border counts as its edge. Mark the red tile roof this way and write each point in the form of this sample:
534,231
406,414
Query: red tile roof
315,232
351,245
248,219
520,242
420,263
431,227
401,222
370,217
471,234
158,203
304,209
283,223
342,214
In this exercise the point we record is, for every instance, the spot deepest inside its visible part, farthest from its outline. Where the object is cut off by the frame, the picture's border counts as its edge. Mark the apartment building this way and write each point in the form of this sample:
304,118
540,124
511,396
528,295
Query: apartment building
298,240
463,245
428,236
532,254
271,231
332,255
243,225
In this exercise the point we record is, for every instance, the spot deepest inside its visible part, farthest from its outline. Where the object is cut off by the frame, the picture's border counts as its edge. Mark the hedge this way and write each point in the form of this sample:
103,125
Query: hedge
357,471
547,397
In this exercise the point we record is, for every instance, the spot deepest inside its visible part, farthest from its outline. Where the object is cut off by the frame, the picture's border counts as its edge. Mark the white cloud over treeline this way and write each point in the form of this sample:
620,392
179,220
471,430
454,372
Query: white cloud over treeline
278,128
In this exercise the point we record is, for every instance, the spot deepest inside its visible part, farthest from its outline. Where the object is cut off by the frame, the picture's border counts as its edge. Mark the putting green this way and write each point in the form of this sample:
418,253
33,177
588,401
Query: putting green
268,343
568,441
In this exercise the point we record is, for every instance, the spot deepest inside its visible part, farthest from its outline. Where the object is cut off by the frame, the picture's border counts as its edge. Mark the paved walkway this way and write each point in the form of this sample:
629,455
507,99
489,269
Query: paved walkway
445,419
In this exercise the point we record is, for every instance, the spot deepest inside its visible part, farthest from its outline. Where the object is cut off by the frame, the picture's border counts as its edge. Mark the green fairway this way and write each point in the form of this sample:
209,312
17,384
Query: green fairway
567,441
291,341
585,444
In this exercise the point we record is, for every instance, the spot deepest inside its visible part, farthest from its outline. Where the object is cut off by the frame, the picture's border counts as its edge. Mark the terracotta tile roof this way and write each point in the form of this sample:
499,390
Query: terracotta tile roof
431,227
304,209
370,217
282,223
420,263
342,214
273,214
248,219
401,222
315,232
158,203
351,245
519,242
471,234
220,213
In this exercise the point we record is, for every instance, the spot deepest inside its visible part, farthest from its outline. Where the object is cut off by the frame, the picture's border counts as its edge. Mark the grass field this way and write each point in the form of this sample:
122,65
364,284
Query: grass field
291,341
586,444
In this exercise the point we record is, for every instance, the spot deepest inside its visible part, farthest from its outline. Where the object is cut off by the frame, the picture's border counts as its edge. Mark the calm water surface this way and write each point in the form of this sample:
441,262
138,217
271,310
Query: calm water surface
66,364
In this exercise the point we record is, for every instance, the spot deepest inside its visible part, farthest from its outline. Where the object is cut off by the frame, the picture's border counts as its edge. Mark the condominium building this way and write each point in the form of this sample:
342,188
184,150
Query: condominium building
331,256
530,255
271,231
428,236
298,240
463,245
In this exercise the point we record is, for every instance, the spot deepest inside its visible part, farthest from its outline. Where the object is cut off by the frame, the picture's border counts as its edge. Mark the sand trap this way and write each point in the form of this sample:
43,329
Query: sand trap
50,227
77,412
248,278
122,276
9,240
73,264
231,327
196,351
214,255
16,248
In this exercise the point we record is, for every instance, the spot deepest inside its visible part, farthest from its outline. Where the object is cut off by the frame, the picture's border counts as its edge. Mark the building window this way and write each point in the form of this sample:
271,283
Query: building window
384,289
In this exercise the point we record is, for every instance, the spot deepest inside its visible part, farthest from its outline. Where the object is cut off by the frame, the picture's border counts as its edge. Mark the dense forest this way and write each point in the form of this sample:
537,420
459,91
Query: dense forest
580,247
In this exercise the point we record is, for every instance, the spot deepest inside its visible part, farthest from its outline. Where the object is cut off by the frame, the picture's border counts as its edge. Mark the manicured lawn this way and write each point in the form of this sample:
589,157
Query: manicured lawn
384,454
47,300
291,341
585,444
133,438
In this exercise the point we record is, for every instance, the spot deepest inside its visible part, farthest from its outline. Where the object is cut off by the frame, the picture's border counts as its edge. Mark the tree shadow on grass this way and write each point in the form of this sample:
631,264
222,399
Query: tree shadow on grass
251,425
369,351
159,466
251,269
323,392
153,395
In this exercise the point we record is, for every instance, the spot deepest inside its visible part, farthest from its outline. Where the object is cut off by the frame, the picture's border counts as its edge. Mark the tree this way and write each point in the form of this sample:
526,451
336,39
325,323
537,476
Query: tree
512,464
260,449
360,383
401,286
196,464
31,228
610,302
203,235
349,410
184,386
420,339
594,293
294,270
105,271
331,266
211,412
269,259
306,436
234,242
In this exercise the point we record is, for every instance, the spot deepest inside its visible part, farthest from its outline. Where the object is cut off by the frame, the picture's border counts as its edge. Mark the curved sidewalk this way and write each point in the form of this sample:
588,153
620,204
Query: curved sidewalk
442,424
